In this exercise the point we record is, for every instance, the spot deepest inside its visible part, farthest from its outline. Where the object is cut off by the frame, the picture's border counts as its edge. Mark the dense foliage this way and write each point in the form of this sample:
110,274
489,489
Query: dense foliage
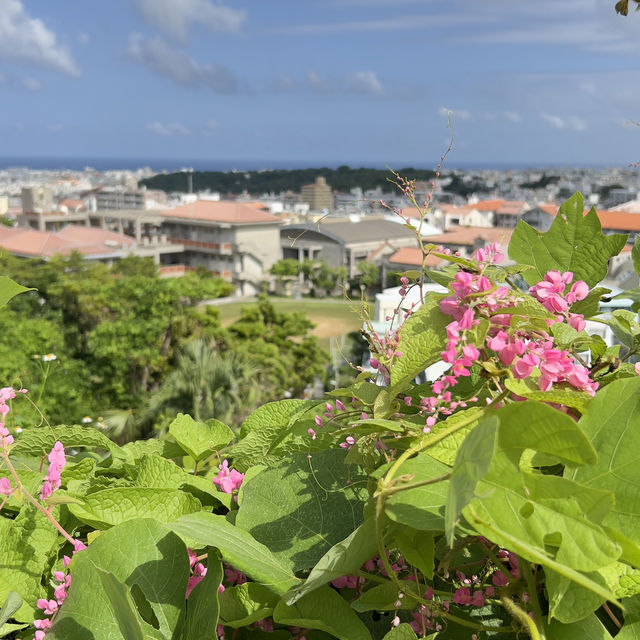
343,179
497,500
110,342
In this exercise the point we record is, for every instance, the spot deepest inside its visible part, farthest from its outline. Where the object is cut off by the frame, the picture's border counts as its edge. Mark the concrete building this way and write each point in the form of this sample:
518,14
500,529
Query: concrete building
237,241
37,200
346,243
94,244
317,195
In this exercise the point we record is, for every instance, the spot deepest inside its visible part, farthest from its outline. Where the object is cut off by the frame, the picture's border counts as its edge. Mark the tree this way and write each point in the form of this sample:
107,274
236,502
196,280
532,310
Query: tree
285,267
369,273
207,383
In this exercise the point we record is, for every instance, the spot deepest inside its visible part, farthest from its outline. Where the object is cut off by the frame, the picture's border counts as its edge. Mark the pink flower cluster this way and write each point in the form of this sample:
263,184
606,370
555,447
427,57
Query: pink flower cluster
50,607
198,572
328,414
6,394
57,461
228,479
475,296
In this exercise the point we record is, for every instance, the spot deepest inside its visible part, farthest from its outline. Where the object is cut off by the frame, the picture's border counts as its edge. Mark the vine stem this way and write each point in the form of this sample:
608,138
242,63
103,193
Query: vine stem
533,594
34,502
521,615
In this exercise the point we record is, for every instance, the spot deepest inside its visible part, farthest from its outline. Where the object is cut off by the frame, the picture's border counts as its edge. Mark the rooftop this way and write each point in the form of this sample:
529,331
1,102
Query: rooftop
45,244
222,211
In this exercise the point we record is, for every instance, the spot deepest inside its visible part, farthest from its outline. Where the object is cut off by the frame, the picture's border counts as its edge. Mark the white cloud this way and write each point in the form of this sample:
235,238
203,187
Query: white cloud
365,82
512,116
392,23
31,84
315,83
173,128
175,16
170,62
209,127
26,39
555,121
569,122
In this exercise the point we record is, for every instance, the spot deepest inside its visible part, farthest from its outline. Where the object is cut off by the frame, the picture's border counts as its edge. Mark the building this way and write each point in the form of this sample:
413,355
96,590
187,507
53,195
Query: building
37,199
466,240
237,241
346,243
317,195
94,244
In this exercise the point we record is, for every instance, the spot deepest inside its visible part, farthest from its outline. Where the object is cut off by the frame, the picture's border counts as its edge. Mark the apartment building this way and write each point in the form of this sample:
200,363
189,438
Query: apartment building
237,241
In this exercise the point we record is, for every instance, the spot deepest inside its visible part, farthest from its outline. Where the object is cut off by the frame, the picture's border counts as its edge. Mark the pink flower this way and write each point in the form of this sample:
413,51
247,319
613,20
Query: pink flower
228,480
5,487
48,606
462,596
499,579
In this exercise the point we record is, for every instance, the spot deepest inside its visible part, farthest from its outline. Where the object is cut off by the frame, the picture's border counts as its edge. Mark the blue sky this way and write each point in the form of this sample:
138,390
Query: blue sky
312,82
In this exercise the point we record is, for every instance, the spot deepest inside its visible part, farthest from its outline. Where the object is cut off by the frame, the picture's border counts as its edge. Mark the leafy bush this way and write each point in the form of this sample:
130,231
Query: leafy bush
499,500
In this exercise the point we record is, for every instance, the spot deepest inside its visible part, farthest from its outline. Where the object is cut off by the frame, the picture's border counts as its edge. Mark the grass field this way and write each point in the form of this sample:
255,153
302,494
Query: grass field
333,318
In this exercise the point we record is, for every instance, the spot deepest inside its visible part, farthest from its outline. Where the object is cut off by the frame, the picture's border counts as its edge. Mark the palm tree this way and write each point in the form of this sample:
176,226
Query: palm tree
207,384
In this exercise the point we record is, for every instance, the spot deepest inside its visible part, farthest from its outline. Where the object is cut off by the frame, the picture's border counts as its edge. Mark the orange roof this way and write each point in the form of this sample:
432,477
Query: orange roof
619,220
413,256
45,244
221,211
469,235
513,207
484,205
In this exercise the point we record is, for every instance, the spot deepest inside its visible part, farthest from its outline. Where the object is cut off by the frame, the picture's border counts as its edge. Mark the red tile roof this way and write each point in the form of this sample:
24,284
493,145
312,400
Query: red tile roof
413,256
45,244
222,211
469,235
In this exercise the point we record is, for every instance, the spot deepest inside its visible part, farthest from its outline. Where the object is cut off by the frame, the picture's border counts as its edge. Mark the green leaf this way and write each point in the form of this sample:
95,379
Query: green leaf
12,603
122,606
574,242
544,518
26,544
569,397
243,604
422,339
109,507
39,441
200,439
570,602
417,548
7,629
164,448
383,597
612,424
588,629
590,306
272,414
141,554
625,327
324,609
342,559
635,254
203,607
420,507
401,632
300,508
472,464
237,547
9,289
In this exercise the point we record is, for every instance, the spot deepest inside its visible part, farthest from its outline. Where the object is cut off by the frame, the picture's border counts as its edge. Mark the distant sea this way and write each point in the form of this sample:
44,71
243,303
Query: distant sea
170,165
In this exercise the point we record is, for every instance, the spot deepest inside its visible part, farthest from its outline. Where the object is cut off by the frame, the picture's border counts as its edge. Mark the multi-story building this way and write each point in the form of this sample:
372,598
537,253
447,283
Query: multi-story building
237,241
317,195
37,200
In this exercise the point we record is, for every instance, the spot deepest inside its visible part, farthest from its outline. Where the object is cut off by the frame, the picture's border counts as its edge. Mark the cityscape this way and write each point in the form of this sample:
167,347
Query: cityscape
319,320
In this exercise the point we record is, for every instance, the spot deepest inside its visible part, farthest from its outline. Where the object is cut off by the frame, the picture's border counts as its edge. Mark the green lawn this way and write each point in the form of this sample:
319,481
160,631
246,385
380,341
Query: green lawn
333,318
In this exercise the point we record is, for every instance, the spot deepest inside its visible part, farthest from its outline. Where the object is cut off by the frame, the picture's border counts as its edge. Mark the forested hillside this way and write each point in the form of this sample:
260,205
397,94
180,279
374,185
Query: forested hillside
342,179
